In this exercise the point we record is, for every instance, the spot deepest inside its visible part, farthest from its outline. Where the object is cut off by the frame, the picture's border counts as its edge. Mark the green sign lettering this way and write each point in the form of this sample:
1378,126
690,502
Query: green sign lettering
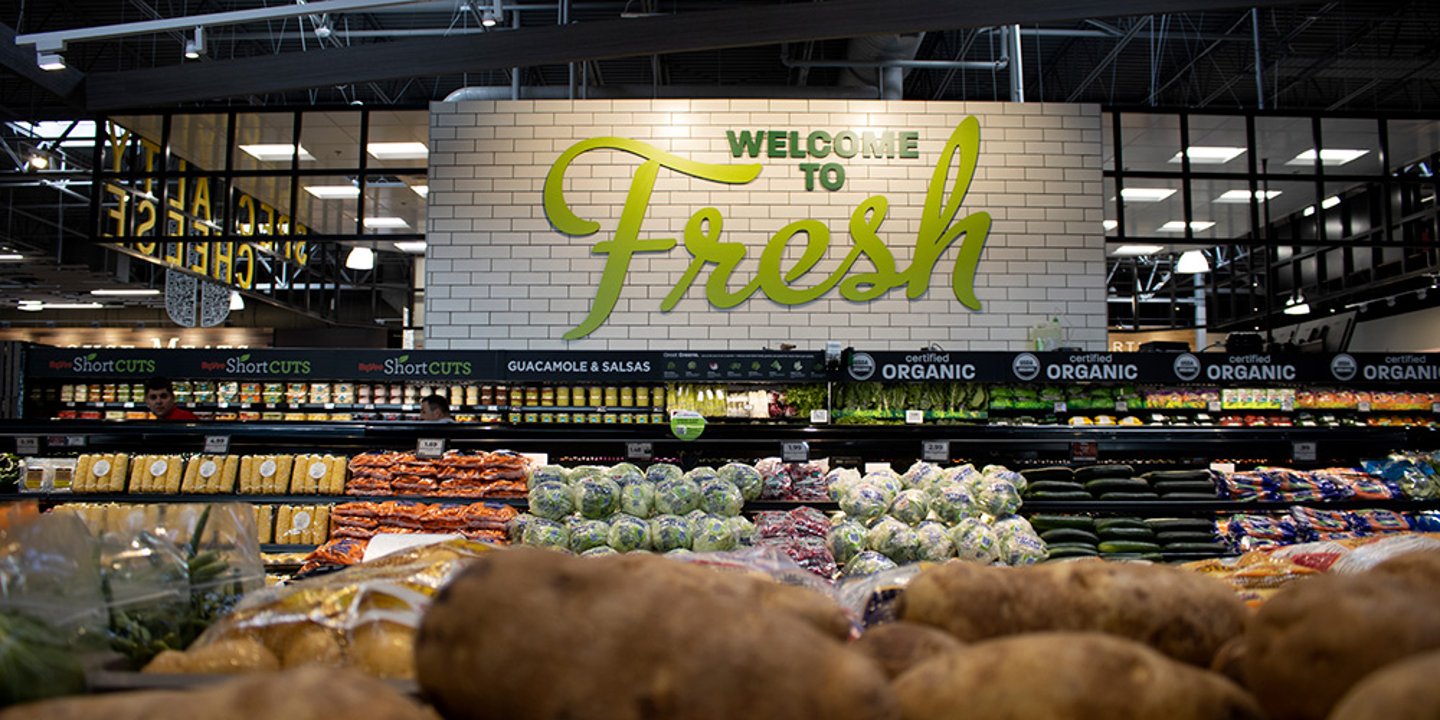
939,226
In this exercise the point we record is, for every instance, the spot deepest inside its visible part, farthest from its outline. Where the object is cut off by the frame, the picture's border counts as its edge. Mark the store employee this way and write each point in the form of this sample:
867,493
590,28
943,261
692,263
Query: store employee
435,408
160,398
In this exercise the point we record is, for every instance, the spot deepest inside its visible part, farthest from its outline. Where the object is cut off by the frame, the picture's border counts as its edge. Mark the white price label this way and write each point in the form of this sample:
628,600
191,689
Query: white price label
1364,406
1435,407
159,468
407,406
208,469
1214,406
1287,404
369,406
129,405
819,417
1122,406
1223,467
639,450
935,451
73,441
1061,407
27,445
1304,451
300,521
101,468
430,447
914,417
793,452
217,444
329,406
268,468
318,470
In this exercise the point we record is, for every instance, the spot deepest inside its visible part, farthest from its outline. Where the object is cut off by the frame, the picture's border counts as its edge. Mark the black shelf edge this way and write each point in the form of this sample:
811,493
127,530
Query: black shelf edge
286,548
1211,507
57,498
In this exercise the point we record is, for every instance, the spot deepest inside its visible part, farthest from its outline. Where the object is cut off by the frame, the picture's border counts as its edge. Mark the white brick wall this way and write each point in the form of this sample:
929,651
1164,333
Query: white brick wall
500,277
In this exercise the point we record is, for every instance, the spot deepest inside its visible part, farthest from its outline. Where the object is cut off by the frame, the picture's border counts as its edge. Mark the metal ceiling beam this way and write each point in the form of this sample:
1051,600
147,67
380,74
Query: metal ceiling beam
64,84
1115,51
555,45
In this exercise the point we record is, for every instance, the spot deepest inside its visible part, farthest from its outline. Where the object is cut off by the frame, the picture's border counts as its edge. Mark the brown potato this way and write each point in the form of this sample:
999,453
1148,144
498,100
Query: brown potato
618,639
312,645
1317,638
1404,689
1229,660
384,650
235,655
1066,676
311,693
1421,566
899,646
1181,614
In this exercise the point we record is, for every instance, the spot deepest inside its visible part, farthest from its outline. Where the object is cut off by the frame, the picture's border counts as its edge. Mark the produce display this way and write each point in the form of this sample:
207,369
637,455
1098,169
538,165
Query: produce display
801,534
476,521
1285,484
481,474
1258,574
1304,524
1117,482
1129,538
875,402
1075,397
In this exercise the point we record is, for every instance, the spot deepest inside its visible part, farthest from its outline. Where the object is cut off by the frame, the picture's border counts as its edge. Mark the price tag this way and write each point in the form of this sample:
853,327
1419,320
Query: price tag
1081,452
1435,407
430,448
407,406
69,404
1304,452
1122,406
794,452
129,405
1287,404
639,450
217,444
1214,406
222,405
1223,467
1364,406
492,408
819,417
245,406
66,441
914,417
935,451
329,406
27,445
1061,407
369,406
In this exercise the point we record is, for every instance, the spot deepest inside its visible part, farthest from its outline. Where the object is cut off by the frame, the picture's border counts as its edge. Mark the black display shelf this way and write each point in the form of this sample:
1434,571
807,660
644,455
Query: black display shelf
55,498
1161,506
286,548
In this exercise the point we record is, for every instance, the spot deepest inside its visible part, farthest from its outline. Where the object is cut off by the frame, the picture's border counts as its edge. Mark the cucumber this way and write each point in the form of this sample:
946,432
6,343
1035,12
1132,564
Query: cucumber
1068,535
1177,475
1143,534
1052,495
1190,496
1128,546
1169,486
1063,474
1163,525
1072,546
1114,485
1171,537
1217,548
1041,523
1096,472
1073,552
1104,524
1123,496
1055,486
1153,557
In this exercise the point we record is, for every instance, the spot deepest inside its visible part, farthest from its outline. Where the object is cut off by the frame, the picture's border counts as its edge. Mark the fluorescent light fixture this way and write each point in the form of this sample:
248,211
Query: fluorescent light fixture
1330,202
1296,305
275,152
361,258
50,61
1209,154
30,306
416,247
1329,156
237,301
1192,262
1175,226
127,292
1137,250
1135,194
36,305
333,192
1109,225
11,257
385,223
1307,212
1243,196
421,190
398,150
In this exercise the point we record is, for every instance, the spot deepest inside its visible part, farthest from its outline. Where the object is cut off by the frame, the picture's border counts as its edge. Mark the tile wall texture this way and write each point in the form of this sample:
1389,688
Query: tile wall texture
498,275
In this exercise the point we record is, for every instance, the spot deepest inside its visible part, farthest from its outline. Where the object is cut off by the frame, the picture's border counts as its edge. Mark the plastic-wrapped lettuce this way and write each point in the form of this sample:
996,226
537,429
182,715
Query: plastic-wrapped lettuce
998,497
586,534
676,497
975,541
893,539
920,475
619,470
934,541
628,532
1000,472
952,503
846,540
963,474
694,516
1005,525
660,472
543,532
669,532
701,473
720,497
745,477
864,502
868,563
910,507
584,471
599,551
712,534
743,530
550,473
679,551
886,481
840,480
515,529
638,499
597,497
1022,549
552,501
626,478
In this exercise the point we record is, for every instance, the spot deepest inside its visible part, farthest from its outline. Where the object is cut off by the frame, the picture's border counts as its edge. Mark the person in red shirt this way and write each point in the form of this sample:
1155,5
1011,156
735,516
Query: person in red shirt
160,398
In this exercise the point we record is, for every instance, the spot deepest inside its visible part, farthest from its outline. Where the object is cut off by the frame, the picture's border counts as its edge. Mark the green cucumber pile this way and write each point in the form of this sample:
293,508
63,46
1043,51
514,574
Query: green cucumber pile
1129,538
1118,482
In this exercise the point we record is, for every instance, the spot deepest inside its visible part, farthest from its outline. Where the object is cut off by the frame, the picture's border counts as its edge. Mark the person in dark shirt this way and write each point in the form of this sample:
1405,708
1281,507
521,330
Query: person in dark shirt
435,408
160,398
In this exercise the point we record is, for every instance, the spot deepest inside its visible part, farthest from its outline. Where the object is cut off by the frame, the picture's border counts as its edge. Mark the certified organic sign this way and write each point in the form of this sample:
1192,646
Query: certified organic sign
940,226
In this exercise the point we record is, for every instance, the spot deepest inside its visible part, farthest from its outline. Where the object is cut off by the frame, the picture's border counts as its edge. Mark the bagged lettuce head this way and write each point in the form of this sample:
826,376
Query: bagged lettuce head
864,502
934,543
743,530
975,541
701,473
670,532
868,563
846,540
839,481
887,481
745,477
910,507
676,497
1011,525
515,529
551,501
550,473
660,472
720,497
1000,472
638,499
596,497
921,475
586,534
625,474
1022,549
628,533
998,497
584,471
952,502
599,551
542,532
893,539
712,534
